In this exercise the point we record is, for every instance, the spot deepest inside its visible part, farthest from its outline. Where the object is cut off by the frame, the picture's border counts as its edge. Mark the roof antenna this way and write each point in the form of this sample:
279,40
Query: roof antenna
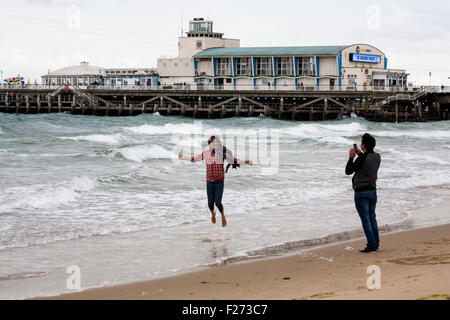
182,23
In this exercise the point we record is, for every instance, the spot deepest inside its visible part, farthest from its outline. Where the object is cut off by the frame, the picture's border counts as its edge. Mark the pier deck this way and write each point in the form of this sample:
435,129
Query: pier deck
422,105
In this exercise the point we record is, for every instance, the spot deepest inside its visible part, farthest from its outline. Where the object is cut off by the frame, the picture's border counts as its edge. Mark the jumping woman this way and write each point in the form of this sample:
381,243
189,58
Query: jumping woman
214,158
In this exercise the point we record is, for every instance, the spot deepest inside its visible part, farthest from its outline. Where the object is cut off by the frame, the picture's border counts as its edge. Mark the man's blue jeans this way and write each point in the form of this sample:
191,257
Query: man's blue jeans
366,203
215,193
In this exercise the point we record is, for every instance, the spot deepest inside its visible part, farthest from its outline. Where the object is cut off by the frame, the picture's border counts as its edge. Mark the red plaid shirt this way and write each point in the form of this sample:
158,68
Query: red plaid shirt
214,166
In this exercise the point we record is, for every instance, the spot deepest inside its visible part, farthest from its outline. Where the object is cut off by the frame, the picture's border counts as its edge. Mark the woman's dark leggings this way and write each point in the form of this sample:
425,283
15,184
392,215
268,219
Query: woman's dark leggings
215,193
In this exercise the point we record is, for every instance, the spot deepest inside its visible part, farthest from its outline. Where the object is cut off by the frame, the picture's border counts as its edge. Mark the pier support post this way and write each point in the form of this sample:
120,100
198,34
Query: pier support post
17,104
419,106
38,102
183,110
74,103
49,101
223,112
6,101
108,107
436,108
311,113
131,111
169,109
238,108
195,111
200,102
59,103
325,110
266,111
280,113
251,110
161,103
143,108
396,112
210,112
27,100
156,108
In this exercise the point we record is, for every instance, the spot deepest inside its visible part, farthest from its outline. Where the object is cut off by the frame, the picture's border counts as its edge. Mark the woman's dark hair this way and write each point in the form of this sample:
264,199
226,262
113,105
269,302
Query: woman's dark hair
369,142
211,140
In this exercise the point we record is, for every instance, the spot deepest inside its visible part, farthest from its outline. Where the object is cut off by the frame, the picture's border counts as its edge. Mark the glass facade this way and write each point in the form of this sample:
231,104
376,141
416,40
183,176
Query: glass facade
264,66
306,66
224,67
285,66
244,66
201,26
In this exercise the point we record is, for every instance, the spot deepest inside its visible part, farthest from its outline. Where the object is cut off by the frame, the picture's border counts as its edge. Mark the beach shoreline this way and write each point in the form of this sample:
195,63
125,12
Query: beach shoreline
413,265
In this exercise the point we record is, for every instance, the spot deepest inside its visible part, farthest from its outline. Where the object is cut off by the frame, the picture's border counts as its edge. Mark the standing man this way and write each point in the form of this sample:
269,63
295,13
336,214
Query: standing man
215,173
366,169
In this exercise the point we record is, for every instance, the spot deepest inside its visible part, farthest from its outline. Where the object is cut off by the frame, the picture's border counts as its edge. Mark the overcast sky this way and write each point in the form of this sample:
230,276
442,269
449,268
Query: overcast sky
41,35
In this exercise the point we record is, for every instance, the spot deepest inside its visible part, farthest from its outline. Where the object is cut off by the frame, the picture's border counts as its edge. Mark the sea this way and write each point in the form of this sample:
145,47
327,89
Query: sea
108,197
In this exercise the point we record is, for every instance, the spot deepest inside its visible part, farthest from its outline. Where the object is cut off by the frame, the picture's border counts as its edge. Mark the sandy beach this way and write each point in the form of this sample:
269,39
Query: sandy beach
414,265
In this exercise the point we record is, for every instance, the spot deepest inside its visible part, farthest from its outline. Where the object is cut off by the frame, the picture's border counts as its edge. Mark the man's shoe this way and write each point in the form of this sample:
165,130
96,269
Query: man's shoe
367,250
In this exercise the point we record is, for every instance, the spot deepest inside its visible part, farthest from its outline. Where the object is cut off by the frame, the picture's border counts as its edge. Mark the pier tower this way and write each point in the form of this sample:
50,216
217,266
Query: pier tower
201,36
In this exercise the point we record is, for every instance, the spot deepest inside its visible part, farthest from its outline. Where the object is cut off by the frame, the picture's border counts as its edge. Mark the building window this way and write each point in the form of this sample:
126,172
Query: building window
306,66
244,66
264,67
284,65
224,67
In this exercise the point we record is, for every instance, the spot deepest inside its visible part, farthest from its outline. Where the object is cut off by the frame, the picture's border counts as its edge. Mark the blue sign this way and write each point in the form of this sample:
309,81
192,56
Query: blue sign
367,58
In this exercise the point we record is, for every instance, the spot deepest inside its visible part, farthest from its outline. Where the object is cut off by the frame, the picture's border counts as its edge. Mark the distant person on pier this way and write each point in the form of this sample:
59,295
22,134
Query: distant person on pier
214,158
442,88
366,169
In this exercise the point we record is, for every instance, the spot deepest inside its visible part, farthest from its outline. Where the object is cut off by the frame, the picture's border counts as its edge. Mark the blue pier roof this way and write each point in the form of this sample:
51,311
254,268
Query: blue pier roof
270,51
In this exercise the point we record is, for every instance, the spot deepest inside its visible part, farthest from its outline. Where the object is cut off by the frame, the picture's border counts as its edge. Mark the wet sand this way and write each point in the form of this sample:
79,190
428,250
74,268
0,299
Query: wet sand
414,264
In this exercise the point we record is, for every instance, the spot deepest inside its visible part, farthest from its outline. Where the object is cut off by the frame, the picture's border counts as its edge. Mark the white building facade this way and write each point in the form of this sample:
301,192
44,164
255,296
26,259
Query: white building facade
354,67
201,36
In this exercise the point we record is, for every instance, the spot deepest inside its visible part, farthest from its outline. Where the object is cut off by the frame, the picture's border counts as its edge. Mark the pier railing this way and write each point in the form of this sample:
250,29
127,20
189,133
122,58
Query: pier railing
199,87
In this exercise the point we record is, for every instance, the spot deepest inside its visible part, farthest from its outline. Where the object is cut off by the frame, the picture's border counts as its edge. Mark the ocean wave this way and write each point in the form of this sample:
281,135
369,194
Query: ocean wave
98,138
326,133
142,153
416,157
170,128
431,134
45,195
24,275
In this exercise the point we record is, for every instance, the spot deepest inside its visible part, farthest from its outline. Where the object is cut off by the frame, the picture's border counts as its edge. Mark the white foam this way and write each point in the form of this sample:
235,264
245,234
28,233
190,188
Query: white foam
147,129
142,153
44,195
326,133
98,138
431,134
417,157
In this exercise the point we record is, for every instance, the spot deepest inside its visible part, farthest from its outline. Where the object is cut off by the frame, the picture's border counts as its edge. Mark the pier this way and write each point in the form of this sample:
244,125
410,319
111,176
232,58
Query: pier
311,104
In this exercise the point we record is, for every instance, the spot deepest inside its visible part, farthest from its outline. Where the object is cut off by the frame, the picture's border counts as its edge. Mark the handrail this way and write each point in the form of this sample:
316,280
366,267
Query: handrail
417,91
